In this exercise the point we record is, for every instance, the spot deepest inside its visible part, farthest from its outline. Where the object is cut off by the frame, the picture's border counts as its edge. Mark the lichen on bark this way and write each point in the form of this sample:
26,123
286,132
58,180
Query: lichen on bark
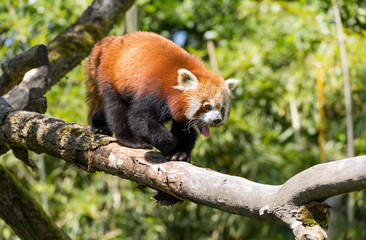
41,134
71,43
315,213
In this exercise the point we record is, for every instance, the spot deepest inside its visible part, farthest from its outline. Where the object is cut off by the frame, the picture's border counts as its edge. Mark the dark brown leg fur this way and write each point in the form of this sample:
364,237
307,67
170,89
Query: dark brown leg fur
99,123
115,111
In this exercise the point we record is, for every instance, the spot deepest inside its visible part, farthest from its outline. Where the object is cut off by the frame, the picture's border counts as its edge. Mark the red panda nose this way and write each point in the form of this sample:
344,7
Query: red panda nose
217,121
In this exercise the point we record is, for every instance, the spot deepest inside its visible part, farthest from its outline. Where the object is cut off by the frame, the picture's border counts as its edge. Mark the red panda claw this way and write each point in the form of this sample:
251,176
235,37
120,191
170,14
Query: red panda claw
179,156
104,131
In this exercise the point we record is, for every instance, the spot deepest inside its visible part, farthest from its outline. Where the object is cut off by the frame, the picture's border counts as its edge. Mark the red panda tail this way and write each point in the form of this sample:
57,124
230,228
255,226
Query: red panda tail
91,65
93,98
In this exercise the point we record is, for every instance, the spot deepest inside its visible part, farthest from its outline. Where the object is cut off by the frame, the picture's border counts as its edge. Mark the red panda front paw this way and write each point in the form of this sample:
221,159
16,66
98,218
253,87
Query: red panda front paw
103,130
179,156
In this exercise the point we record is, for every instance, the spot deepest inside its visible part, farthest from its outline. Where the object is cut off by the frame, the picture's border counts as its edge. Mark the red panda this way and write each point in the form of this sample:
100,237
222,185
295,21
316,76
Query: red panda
139,81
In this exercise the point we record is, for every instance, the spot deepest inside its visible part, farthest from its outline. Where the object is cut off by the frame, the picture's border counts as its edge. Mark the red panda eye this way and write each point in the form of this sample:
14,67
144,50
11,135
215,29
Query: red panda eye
208,107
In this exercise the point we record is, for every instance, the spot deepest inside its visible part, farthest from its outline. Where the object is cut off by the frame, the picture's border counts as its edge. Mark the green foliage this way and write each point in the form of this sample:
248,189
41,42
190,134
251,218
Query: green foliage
272,47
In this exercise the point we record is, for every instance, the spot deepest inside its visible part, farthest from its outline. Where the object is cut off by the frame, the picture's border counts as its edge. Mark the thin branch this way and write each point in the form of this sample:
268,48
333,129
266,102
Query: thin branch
93,152
15,68
346,80
212,56
18,97
347,99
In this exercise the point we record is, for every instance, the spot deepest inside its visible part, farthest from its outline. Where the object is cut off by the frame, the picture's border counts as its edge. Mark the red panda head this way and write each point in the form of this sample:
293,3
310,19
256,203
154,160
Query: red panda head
207,98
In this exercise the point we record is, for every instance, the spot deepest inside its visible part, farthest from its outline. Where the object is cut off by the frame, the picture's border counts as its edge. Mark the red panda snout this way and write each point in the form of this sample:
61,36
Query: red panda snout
213,117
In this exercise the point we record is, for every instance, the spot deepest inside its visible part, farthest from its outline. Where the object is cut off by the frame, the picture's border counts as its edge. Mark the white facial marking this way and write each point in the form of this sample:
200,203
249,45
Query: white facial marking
226,104
221,103
193,107
224,114
186,80
210,116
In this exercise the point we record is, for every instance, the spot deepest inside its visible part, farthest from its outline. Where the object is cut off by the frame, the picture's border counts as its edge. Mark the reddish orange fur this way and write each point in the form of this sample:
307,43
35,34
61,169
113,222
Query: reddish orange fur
145,63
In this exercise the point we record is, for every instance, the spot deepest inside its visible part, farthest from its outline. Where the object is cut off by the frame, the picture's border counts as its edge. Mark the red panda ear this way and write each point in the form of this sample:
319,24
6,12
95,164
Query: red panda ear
231,83
186,80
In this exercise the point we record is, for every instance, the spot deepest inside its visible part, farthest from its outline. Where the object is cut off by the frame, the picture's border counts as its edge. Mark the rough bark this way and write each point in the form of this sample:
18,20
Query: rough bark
22,213
15,68
78,145
70,47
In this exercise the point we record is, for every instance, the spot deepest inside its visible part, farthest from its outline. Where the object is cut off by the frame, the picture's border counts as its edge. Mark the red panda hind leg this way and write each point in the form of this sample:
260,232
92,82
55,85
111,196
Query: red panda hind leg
115,107
99,124
146,118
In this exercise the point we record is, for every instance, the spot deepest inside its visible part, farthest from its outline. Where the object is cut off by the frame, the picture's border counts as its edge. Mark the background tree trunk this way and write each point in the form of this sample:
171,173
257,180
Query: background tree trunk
22,213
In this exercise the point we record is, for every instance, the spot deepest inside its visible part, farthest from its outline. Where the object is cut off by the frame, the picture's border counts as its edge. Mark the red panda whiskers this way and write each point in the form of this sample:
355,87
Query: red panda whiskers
189,125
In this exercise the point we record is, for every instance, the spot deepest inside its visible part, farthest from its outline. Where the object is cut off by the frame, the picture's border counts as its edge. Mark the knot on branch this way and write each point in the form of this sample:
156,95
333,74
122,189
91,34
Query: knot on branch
314,218
315,213
37,102
5,110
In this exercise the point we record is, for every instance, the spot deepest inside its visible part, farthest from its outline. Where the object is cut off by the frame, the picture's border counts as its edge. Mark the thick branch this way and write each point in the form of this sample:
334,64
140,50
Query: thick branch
22,213
326,180
15,68
78,145
70,47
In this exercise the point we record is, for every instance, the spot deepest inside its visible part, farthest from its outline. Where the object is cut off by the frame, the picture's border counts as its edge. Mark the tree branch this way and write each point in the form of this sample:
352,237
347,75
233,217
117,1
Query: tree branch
20,211
15,68
279,204
70,47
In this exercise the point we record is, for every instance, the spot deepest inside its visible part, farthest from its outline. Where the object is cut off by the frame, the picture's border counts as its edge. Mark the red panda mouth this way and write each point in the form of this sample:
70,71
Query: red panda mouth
202,127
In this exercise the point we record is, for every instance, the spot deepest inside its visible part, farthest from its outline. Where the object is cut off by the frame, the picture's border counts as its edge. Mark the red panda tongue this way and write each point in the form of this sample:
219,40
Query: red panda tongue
205,130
